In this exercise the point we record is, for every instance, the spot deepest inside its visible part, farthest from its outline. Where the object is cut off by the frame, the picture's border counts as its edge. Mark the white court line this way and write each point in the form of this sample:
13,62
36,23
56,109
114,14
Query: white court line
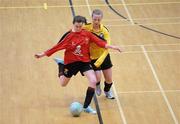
139,52
148,45
153,91
159,85
95,5
127,25
141,19
127,11
119,105
89,9
45,6
22,7
151,3
114,89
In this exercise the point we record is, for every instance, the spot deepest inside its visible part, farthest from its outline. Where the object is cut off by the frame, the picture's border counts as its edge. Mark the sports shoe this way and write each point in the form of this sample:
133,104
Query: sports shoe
60,63
89,110
109,95
98,90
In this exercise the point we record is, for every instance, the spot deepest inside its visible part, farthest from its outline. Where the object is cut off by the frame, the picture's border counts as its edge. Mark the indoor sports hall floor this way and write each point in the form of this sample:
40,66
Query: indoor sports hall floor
146,75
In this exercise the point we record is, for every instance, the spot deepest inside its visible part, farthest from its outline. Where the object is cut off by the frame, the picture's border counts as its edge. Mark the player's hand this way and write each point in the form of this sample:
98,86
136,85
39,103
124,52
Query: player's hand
116,48
39,55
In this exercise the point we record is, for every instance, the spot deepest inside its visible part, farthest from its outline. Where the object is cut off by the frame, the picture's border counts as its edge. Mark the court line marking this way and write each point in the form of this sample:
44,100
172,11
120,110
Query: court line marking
149,51
151,3
151,24
114,89
146,45
159,85
45,6
141,26
136,19
98,109
89,8
127,11
119,105
150,91
140,52
83,5
22,7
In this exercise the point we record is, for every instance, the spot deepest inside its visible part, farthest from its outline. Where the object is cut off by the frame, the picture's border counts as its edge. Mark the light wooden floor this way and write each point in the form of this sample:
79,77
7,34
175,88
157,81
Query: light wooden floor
146,76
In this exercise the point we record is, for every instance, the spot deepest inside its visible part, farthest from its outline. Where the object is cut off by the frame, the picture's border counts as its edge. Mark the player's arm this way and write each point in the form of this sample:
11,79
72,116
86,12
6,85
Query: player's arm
57,47
100,42
100,60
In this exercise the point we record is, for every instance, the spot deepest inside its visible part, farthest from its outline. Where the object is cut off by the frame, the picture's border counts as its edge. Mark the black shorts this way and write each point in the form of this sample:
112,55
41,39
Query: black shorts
105,65
73,68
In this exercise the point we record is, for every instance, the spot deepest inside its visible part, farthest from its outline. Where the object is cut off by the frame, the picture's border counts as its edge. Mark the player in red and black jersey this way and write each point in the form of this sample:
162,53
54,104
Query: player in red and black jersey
77,58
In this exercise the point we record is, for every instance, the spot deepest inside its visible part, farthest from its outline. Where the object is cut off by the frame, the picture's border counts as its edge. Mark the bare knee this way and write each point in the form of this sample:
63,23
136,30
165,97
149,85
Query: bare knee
93,83
91,78
98,75
63,81
63,84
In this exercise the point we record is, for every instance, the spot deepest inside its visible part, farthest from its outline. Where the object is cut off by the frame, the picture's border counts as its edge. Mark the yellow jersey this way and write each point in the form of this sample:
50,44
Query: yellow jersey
97,52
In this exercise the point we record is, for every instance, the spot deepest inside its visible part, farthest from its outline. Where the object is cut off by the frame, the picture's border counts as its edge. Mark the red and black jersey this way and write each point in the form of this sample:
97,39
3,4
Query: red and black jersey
76,45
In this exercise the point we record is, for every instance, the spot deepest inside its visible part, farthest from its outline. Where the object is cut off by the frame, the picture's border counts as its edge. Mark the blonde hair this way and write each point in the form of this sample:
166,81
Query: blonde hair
97,12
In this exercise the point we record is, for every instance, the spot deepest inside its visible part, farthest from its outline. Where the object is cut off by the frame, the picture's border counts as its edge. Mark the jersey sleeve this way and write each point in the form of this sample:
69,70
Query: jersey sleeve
97,40
61,45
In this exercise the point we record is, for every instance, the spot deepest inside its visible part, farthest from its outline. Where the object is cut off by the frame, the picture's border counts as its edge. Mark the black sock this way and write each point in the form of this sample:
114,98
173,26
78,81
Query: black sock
107,86
98,83
61,68
89,96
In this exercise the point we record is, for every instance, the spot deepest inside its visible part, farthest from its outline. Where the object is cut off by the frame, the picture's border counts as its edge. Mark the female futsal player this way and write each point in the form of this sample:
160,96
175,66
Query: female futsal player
76,57
100,57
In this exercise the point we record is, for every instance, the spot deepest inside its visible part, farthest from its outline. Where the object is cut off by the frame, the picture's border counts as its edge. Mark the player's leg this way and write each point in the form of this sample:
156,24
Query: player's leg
90,75
60,64
107,72
64,79
98,77
98,86
108,83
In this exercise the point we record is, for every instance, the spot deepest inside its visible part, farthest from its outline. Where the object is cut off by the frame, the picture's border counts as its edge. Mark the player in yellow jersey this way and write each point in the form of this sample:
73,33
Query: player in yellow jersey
100,57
